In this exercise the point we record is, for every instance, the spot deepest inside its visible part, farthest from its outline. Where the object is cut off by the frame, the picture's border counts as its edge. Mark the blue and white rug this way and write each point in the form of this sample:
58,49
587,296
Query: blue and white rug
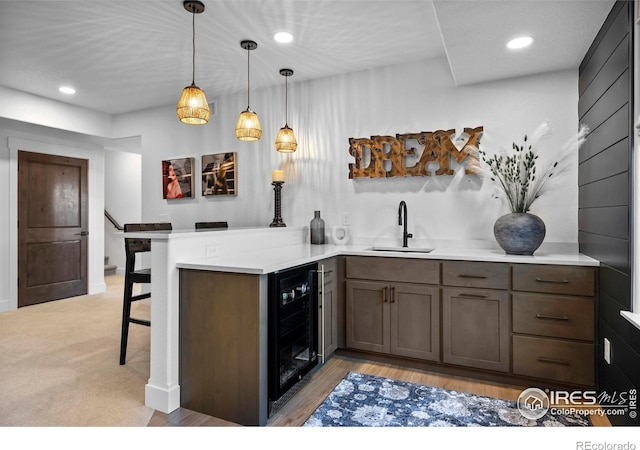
367,401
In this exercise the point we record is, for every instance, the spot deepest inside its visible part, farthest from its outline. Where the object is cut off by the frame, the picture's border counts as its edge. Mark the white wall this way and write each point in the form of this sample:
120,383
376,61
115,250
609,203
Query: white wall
325,113
122,198
28,108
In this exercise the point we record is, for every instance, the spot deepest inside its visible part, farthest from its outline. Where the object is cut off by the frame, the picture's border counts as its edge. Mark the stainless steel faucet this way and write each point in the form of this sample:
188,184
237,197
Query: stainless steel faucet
402,209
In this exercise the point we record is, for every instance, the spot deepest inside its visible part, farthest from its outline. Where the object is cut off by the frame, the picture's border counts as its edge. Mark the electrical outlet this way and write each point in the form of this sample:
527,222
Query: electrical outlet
607,351
210,251
345,218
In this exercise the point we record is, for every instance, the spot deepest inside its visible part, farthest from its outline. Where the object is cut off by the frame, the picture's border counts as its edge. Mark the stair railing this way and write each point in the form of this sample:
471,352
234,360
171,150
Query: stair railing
113,221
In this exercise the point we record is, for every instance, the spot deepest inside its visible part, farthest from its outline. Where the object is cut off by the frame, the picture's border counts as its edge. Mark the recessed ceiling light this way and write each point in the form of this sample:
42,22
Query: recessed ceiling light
283,37
67,90
520,42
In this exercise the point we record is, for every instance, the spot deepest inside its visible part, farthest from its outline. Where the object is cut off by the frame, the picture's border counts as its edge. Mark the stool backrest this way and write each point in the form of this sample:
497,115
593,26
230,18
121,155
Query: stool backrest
203,225
135,245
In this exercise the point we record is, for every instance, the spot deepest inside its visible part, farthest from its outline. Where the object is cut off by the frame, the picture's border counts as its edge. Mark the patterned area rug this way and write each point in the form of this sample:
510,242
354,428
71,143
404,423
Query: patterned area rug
366,401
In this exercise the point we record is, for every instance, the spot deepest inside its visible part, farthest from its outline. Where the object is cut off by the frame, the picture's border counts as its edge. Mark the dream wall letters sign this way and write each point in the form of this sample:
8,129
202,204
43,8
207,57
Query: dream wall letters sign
387,153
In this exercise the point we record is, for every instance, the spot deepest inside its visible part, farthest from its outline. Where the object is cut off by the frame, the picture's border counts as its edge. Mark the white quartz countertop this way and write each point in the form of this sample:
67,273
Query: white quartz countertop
274,259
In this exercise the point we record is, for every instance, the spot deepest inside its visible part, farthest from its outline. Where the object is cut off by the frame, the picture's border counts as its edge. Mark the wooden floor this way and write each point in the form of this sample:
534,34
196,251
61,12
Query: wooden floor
295,412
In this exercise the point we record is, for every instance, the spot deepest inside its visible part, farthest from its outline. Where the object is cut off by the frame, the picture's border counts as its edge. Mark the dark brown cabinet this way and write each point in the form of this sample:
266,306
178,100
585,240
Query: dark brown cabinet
223,345
367,316
527,320
476,315
414,314
328,308
475,328
554,323
390,317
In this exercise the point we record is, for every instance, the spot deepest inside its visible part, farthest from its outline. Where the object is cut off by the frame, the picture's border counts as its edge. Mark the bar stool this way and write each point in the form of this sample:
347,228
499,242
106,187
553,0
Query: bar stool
132,276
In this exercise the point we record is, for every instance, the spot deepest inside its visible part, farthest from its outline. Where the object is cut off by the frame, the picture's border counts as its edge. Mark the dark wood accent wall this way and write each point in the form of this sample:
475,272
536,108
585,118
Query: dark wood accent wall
605,192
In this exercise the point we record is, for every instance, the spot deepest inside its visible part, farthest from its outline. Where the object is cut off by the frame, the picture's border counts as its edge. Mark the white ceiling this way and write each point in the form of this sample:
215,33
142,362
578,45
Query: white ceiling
130,55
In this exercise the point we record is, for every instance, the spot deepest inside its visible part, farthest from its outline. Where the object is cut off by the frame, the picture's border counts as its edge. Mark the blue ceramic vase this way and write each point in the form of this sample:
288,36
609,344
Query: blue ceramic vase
519,233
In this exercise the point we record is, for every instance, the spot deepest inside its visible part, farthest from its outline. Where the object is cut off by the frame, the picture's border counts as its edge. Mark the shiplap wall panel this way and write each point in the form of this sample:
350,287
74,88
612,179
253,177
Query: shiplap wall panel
615,285
606,192
604,135
612,100
608,250
610,220
612,69
605,186
604,165
614,31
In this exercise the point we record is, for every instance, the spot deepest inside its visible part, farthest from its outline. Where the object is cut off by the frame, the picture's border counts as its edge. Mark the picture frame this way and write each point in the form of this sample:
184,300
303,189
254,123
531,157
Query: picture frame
219,174
177,178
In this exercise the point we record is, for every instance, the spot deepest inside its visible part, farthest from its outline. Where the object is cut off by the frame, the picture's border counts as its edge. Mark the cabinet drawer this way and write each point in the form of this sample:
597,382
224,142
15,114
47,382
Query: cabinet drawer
552,359
394,269
554,316
475,274
554,279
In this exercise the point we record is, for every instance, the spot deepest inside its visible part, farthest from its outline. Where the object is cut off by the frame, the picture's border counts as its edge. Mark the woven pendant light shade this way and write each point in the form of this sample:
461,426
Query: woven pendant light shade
286,141
248,127
193,108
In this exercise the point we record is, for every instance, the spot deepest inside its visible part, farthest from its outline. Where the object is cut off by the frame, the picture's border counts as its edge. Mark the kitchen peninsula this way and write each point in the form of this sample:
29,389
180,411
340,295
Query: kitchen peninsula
257,252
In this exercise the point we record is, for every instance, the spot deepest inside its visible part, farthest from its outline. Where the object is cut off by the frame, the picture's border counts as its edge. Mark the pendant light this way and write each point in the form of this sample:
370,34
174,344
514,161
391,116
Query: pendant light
286,140
248,126
192,107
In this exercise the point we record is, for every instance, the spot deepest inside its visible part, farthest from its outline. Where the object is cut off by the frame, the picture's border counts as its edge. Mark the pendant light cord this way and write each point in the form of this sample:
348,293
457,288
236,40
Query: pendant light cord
286,101
193,45
248,79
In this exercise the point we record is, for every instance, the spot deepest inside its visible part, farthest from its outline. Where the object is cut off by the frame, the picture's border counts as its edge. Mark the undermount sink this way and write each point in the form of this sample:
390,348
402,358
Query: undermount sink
401,249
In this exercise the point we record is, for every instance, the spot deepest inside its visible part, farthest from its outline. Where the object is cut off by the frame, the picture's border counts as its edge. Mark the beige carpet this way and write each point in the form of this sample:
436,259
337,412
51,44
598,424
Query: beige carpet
59,363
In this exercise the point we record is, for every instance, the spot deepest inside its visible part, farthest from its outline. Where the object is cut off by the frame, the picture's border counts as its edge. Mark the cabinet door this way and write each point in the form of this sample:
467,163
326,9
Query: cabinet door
328,309
476,326
367,316
415,321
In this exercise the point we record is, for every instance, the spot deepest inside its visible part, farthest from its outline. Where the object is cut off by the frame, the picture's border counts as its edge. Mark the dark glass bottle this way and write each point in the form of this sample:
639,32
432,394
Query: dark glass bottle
317,229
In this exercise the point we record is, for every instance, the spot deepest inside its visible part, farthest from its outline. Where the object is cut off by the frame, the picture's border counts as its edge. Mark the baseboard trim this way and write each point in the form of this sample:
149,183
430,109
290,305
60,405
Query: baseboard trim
98,288
4,305
459,371
163,400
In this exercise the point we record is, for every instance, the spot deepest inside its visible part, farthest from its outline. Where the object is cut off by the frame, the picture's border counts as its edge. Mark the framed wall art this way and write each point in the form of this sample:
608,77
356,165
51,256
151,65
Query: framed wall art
177,178
219,174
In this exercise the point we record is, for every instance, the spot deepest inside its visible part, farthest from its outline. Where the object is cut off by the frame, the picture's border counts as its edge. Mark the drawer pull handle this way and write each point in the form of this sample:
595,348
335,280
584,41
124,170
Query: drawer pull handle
464,294
328,272
542,280
479,277
545,316
553,360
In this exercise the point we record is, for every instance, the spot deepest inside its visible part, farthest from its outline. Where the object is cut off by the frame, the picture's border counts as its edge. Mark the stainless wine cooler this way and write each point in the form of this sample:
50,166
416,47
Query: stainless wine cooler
293,328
